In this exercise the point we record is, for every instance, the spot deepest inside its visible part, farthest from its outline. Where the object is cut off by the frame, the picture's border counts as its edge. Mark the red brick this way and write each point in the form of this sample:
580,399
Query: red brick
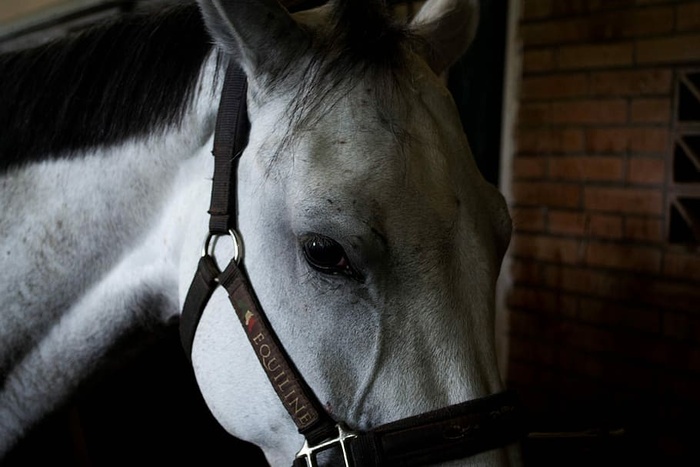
605,226
637,139
628,376
615,315
674,295
575,360
567,222
645,170
644,229
554,86
538,60
553,32
525,324
654,352
672,354
596,56
534,351
630,258
624,322
586,168
620,285
631,82
682,266
551,249
525,167
650,110
648,140
685,48
617,285
550,140
688,17
528,219
607,140
547,301
537,114
682,326
573,112
526,272
637,23
585,224
546,194
536,9
600,27
625,200
648,21
653,2
520,373
574,279
590,111
683,389
591,338
578,7
567,278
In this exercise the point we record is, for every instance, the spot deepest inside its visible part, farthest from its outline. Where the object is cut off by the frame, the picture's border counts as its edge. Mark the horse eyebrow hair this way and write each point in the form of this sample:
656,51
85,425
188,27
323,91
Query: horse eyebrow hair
120,79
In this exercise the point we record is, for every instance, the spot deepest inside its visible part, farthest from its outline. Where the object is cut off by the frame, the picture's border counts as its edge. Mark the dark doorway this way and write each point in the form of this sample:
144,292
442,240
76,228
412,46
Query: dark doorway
476,82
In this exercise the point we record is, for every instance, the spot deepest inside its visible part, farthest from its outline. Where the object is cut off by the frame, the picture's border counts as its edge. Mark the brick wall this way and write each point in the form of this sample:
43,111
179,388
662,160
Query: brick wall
604,312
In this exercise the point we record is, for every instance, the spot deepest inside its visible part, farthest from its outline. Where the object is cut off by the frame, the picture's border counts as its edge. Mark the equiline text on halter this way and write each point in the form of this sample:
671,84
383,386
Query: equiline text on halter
453,432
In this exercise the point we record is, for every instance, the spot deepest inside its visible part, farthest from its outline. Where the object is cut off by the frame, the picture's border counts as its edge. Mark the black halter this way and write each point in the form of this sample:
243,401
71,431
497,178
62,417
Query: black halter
449,433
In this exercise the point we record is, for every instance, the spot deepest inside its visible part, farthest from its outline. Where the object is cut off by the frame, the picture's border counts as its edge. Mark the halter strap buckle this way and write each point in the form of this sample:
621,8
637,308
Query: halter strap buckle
309,452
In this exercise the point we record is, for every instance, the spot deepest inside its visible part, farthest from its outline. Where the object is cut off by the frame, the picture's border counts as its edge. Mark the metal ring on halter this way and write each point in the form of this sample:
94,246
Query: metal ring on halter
236,240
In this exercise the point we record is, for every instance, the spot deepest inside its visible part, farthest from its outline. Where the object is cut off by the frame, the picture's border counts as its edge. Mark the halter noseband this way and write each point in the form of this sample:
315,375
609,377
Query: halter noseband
449,433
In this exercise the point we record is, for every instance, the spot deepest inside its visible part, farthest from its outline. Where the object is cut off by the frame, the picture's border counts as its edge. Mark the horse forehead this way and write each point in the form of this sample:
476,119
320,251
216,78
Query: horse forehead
410,139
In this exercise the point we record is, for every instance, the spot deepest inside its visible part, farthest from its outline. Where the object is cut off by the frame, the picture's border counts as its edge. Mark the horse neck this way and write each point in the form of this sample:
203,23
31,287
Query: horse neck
89,210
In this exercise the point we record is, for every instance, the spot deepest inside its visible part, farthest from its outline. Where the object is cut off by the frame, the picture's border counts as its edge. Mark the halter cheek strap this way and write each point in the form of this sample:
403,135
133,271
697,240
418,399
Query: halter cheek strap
453,432
230,138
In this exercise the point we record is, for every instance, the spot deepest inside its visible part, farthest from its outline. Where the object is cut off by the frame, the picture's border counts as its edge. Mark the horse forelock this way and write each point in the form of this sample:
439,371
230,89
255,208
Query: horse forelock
358,44
126,78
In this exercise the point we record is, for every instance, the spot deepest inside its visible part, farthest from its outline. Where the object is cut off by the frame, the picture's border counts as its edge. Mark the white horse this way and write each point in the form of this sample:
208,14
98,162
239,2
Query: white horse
371,239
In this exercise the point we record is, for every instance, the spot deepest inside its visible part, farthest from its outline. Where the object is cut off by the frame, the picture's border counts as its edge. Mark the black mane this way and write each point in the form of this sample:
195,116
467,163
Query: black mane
123,79
136,75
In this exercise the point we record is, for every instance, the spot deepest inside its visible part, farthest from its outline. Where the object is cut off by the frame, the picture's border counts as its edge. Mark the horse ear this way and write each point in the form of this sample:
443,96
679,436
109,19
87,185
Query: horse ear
447,28
260,34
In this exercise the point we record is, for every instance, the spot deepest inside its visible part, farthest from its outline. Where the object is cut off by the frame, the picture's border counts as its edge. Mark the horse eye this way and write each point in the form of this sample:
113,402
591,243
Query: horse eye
326,255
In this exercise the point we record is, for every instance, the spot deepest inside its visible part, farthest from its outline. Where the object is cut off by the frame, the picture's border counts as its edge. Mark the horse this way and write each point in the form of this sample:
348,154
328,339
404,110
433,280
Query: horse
370,238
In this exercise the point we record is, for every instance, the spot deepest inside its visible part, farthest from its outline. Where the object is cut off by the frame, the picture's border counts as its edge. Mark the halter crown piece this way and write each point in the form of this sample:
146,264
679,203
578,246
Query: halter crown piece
449,433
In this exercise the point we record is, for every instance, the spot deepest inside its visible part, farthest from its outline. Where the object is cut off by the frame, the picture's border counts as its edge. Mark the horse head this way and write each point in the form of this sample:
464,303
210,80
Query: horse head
371,239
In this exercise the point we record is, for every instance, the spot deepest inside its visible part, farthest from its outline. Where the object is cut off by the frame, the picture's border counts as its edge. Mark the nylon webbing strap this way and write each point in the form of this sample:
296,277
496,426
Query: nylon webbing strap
453,432
230,139
306,411
450,433
201,289
308,414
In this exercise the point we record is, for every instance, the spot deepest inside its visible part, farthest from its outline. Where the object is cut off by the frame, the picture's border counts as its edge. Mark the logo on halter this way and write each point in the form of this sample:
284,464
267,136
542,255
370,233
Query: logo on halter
250,320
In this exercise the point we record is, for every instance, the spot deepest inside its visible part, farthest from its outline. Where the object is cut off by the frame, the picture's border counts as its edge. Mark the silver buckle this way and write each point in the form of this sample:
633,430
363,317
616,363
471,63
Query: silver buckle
309,452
